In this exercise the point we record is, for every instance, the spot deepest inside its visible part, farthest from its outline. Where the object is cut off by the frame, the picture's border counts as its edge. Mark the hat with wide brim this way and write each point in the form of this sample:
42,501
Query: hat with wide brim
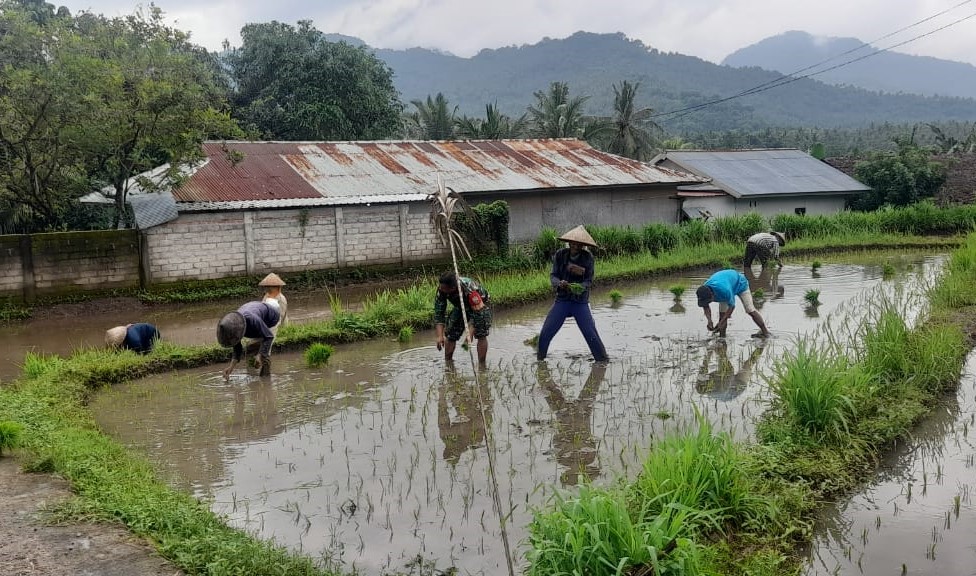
230,329
114,337
580,235
780,237
272,280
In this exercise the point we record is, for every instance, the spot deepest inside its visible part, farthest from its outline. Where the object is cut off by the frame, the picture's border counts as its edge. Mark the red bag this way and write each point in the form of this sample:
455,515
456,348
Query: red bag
474,299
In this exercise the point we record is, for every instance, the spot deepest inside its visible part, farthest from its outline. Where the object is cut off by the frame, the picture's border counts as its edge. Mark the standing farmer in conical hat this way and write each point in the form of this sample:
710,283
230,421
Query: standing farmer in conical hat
252,320
571,277
272,284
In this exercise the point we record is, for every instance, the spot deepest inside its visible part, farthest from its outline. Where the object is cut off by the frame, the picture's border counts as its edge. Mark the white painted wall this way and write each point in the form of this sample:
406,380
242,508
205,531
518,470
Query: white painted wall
814,205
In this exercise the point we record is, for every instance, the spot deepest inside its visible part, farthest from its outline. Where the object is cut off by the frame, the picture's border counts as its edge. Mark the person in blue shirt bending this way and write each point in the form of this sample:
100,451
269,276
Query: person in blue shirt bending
571,277
139,338
722,287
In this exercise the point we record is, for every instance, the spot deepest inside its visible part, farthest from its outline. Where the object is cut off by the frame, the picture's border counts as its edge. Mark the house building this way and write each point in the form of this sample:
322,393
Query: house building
250,207
770,182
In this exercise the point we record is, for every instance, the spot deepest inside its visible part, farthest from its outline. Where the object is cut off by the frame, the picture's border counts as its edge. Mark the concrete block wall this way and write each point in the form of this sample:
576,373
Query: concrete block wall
293,240
12,278
201,246
96,259
371,235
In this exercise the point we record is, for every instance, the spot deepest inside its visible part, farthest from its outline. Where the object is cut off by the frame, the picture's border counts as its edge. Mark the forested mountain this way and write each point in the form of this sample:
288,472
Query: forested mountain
891,72
591,63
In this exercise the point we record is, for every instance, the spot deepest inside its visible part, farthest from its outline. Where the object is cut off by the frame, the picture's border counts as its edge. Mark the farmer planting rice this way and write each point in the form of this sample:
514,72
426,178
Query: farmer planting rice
571,278
140,337
252,320
722,287
476,308
764,246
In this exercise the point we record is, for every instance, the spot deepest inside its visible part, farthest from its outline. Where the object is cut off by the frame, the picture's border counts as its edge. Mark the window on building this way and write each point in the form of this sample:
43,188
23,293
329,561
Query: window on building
800,211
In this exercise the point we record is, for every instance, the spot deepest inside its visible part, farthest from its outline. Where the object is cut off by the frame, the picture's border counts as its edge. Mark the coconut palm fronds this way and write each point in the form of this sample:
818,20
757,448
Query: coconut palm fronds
444,203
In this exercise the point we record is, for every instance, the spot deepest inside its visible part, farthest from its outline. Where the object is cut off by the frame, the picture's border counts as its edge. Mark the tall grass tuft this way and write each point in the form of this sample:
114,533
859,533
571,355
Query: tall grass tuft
677,290
813,390
888,270
812,297
10,435
546,245
405,335
659,237
39,364
616,296
738,228
701,475
318,354
816,265
695,233
594,534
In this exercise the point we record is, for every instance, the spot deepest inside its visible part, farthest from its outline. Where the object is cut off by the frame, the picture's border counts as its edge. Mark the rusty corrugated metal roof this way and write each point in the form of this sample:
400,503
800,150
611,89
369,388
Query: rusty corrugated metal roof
322,173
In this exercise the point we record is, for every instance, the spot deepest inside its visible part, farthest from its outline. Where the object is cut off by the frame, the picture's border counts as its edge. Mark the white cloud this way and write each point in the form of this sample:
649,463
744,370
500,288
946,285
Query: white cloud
710,29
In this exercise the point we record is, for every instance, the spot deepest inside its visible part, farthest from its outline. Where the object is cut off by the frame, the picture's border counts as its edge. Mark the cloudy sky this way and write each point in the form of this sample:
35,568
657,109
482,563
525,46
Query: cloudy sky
709,29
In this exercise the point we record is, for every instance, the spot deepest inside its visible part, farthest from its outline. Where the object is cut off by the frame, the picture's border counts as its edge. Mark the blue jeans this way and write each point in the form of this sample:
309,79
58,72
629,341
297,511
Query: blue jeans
563,309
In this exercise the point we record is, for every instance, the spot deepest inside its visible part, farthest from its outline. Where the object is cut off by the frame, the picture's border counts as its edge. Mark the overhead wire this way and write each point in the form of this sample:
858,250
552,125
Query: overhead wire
790,78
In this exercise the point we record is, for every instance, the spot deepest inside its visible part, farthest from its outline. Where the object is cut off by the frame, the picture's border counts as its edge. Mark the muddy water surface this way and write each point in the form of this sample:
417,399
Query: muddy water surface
919,516
380,458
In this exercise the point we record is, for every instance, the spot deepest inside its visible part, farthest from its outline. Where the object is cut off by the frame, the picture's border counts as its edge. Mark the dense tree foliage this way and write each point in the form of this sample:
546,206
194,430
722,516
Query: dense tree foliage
87,102
432,119
494,126
293,84
899,178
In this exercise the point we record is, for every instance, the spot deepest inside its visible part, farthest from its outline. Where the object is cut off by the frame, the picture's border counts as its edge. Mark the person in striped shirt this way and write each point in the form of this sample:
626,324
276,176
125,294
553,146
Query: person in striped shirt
764,246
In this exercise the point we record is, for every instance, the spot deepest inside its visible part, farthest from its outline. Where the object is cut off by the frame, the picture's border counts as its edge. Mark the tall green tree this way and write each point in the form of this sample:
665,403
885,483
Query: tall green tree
431,119
495,126
630,131
41,171
899,178
556,115
293,84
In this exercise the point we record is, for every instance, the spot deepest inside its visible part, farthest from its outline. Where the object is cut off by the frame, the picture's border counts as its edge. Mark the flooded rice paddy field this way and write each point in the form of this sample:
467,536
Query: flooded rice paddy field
380,458
919,516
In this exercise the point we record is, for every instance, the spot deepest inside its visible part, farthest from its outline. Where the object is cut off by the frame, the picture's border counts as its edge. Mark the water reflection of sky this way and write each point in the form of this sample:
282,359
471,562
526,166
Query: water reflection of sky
381,456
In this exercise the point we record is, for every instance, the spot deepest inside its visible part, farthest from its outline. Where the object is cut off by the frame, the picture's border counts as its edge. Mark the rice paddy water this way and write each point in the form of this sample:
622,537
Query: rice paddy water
377,460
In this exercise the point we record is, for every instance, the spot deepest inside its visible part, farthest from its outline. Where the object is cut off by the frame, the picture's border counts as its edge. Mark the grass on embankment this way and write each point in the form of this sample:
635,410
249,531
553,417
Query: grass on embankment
832,414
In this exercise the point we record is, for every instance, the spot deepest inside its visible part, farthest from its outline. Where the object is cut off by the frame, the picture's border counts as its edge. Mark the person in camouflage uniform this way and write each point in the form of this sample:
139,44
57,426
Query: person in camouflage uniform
450,327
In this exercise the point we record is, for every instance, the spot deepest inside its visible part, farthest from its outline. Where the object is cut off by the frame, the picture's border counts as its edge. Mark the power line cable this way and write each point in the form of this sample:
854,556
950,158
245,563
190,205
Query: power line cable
788,79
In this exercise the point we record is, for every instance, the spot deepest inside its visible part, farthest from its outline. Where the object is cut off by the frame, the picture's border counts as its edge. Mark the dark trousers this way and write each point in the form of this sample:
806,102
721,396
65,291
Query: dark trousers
563,309
752,252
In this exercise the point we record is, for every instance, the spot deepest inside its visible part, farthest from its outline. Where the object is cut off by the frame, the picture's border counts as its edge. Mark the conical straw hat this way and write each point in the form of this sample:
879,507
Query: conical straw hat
780,237
272,280
115,336
579,234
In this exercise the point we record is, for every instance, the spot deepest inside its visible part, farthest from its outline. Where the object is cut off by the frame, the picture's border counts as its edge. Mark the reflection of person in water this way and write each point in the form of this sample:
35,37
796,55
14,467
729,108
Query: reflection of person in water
262,420
464,428
725,383
573,440
767,281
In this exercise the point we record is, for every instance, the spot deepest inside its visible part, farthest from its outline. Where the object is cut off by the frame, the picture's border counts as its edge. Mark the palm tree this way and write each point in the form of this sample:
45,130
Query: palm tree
630,131
432,120
556,115
495,126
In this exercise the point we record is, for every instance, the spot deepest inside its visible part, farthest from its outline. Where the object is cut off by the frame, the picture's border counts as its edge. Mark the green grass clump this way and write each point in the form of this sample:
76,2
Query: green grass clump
10,435
759,293
596,534
814,390
812,297
318,354
39,364
576,288
533,341
405,335
816,265
888,270
701,479
546,244
677,290
616,296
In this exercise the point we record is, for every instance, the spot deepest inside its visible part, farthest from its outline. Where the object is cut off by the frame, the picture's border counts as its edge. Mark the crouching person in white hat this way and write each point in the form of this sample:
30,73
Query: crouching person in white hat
272,284
140,337
252,320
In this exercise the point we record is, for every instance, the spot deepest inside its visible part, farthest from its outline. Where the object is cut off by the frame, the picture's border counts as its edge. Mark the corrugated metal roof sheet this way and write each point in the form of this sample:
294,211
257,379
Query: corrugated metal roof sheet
153,209
273,174
765,172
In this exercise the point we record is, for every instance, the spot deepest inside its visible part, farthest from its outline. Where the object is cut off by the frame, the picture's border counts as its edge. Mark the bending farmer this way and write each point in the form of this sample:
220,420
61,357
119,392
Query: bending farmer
252,320
139,337
723,287
764,246
571,278
476,307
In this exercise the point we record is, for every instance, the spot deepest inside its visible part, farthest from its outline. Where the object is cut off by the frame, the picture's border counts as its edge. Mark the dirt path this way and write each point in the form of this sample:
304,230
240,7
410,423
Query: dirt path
29,546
